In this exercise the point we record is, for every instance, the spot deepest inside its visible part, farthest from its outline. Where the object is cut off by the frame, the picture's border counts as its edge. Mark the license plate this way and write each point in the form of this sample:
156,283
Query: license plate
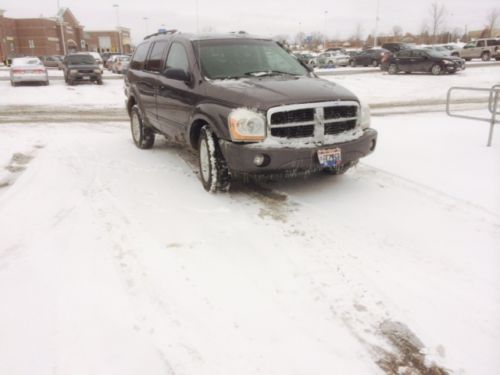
330,157
86,77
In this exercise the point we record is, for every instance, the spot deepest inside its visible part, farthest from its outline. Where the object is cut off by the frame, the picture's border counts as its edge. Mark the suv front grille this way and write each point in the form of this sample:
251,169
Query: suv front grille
312,120
85,71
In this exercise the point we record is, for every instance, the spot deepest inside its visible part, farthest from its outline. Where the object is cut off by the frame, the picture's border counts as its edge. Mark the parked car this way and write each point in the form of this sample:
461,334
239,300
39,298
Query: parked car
396,46
332,59
307,59
120,64
337,49
51,61
110,62
373,57
28,70
106,55
81,67
483,49
245,105
422,60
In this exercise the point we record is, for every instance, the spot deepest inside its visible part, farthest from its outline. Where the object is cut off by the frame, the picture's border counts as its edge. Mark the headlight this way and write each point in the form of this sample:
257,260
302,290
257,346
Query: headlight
365,116
247,125
73,71
97,70
447,62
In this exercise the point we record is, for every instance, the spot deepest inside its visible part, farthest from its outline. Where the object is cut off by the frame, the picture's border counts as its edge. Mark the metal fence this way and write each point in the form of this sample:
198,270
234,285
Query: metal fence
493,107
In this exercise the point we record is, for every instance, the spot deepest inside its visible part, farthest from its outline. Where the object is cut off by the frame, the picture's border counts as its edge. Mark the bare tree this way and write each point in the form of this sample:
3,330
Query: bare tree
397,31
492,18
437,12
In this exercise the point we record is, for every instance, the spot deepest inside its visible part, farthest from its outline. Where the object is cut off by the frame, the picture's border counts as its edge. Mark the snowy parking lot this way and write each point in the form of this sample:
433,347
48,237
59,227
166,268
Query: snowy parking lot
114,260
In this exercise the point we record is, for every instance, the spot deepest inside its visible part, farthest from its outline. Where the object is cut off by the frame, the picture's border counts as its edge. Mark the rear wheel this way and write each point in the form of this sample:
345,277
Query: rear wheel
436,69
393,69
143,136
374,63
352,63
485,56
13,84
214,172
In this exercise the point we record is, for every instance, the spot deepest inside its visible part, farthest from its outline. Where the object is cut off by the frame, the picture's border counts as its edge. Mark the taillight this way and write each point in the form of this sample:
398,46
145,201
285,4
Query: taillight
16,71
40,71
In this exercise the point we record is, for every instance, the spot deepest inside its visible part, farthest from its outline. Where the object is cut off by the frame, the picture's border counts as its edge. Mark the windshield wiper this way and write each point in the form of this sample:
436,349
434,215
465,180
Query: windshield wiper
266,73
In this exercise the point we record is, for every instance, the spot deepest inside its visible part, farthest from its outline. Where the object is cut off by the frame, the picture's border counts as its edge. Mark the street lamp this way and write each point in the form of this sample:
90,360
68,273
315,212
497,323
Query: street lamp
324,38
146,24
375,41
117,7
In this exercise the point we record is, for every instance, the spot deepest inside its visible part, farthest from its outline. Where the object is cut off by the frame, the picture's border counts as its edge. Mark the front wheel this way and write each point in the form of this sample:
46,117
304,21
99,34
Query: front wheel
214,172
143,136
374,63
352,63
393,69
485,56
436,69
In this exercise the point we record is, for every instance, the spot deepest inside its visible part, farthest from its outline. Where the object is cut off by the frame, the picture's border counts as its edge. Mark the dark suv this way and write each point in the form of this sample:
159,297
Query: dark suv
81,67
246,105
423,60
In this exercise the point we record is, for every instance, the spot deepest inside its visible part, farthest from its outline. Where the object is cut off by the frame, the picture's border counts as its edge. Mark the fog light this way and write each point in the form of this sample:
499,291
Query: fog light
261,160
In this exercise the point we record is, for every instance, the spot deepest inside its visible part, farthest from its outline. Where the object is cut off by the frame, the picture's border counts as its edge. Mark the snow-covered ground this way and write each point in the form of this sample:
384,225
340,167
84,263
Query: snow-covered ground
114,260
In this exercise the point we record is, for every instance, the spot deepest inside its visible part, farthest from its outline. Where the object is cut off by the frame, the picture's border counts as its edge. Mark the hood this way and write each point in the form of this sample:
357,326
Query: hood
267,92
452,58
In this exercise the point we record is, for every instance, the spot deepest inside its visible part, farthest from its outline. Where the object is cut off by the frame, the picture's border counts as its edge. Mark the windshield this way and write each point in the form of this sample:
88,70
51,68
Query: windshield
26,61
242,58
434,53
81,60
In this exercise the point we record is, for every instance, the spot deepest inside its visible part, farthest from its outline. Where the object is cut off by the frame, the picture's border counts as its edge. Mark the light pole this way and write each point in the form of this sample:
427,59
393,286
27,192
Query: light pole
61,26
117,7
375,41
146,24
324,37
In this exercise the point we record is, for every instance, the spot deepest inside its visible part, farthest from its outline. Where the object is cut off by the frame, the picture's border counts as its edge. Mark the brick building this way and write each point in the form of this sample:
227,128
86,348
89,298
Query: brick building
56,36
109,41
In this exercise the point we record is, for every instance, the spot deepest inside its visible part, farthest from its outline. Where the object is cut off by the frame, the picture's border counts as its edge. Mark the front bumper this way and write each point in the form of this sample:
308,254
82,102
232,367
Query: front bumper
29,78
240,157
85,76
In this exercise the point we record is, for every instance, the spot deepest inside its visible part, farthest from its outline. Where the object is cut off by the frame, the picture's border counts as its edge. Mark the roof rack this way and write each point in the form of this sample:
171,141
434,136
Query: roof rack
161,32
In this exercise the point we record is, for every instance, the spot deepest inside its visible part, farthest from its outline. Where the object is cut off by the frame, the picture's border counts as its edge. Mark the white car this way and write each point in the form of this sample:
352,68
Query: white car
28,69
335,58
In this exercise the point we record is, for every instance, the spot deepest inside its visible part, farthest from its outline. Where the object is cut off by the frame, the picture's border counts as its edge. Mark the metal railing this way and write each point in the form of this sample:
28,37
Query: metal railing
493,107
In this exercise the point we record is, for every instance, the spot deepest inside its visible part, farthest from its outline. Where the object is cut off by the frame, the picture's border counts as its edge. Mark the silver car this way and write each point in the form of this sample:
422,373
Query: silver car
28,69
335,58
120,64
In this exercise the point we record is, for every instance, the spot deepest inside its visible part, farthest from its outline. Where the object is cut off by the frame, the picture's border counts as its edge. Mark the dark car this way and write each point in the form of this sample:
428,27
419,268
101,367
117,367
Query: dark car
81,67
396,46
246,105
422,60
373,57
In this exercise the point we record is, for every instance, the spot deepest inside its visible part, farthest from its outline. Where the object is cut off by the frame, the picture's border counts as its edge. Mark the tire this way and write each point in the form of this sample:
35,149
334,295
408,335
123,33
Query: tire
485,56
70,82
46,83
13,84
393,69
214,173
144,137
99,81
352,63
436,69
374,63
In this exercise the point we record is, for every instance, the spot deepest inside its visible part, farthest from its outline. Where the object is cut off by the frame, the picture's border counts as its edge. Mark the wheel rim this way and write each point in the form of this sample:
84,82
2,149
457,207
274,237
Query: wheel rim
436,69
392,69
374,63
136,127
204,161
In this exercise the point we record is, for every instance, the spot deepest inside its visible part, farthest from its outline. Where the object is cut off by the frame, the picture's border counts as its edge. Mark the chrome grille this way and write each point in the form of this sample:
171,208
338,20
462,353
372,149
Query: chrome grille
312,120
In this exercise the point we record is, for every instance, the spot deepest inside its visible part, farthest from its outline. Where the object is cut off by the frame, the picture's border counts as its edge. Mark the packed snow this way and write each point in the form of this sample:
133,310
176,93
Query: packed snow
114,260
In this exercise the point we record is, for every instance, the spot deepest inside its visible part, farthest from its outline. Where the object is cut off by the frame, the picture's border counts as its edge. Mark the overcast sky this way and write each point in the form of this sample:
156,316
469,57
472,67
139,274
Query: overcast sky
263,17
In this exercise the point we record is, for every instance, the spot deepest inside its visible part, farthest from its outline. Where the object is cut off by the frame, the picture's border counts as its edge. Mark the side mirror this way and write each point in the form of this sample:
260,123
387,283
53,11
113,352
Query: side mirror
178,75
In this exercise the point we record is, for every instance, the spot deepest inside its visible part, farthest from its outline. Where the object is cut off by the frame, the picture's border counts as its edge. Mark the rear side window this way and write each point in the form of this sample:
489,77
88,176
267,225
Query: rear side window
493,42
480,43
139,57
177,58
155,58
